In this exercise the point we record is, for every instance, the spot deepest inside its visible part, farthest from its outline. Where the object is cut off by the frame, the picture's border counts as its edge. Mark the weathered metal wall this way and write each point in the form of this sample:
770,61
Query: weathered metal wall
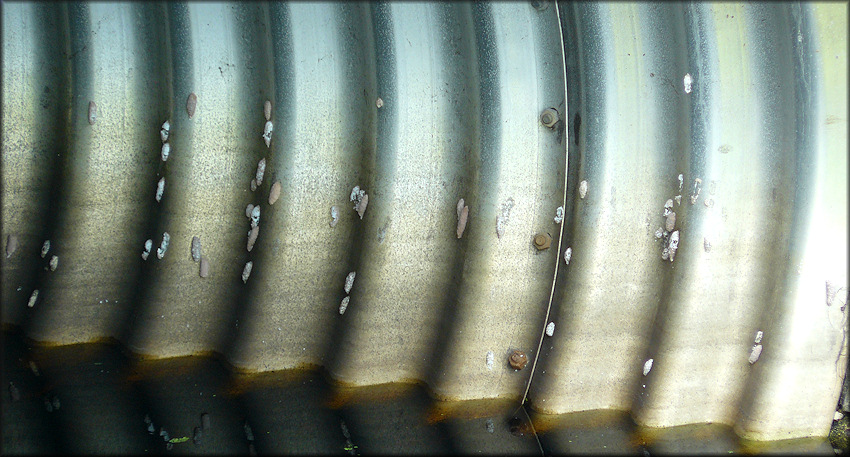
734,112
759,144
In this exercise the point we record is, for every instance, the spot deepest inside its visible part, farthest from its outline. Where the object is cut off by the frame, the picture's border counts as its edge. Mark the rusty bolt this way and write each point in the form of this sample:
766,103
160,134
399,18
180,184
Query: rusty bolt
539,5
549,117
518,360
518,427
542,241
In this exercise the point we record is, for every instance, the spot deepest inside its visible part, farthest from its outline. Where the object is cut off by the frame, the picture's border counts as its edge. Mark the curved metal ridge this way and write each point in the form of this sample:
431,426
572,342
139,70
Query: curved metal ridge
419,105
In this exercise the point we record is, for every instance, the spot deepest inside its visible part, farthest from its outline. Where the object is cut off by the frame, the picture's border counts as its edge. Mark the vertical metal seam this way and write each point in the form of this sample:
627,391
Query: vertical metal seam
563,204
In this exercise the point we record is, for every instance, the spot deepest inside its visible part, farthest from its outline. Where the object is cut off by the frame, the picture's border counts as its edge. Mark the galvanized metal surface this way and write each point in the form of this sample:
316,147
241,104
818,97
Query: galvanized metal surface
759,131
420,105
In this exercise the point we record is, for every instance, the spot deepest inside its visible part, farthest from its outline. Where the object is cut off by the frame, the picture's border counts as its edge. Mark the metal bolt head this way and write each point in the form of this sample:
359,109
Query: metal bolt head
542,241
549,117
518,360
539,5
517,427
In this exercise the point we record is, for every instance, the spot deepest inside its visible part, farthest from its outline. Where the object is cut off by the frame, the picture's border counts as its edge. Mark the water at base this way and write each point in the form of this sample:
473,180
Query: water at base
93,399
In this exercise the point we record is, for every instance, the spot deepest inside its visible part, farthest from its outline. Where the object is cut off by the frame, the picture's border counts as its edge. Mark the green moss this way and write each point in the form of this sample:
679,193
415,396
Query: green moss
839,434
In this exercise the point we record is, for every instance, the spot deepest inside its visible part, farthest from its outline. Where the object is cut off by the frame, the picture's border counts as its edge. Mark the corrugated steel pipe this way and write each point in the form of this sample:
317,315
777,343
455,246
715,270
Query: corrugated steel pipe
648,200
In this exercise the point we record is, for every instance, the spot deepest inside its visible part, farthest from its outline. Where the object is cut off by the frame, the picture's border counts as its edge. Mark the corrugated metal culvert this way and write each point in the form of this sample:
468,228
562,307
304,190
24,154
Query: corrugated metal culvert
647,200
